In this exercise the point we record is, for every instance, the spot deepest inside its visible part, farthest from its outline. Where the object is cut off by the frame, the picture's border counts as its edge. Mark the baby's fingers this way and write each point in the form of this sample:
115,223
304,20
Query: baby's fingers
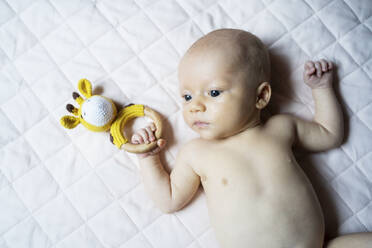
324,65
330,65
152,127
309,67
150,134
137,139
161,144
318,68
144,135
140,137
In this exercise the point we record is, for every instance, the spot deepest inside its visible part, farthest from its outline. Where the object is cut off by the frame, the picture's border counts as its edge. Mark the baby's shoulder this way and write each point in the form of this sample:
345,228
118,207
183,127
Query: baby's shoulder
190,152
281,126
193,146
192,149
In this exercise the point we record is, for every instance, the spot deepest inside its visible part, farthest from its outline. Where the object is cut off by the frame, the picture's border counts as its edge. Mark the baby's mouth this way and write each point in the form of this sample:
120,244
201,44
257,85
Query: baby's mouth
200,124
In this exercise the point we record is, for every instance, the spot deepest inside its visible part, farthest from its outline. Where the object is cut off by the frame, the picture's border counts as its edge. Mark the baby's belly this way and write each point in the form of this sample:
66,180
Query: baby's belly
255,209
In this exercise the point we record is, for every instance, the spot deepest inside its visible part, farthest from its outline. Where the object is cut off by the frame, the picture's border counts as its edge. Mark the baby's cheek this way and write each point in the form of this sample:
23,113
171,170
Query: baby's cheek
221,128
187,119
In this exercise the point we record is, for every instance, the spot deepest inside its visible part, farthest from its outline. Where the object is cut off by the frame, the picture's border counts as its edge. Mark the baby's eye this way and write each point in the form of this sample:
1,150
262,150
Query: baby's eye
215,93
187,97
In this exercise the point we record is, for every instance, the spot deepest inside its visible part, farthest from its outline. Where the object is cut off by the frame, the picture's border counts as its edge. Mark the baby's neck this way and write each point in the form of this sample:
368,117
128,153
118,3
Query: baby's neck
249,129
251,125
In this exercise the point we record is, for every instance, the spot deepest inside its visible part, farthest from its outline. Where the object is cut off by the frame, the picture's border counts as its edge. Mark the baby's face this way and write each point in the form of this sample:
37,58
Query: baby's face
217,102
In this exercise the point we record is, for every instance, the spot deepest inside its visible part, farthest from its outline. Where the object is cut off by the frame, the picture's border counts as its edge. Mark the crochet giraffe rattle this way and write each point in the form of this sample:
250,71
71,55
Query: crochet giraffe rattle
98,113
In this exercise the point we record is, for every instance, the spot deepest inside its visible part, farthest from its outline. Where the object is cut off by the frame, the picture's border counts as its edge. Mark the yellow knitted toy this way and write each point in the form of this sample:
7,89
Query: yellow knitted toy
97,113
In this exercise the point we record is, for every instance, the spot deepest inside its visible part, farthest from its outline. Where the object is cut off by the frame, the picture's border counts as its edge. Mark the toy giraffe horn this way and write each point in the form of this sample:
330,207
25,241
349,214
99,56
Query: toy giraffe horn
77,98
70,108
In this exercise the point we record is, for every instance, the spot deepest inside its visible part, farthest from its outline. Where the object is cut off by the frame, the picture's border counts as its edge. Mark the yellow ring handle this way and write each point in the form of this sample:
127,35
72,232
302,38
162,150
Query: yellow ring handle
123,117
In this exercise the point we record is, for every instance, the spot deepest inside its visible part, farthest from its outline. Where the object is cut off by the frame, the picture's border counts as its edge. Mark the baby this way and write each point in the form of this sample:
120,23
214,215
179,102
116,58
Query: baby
257,194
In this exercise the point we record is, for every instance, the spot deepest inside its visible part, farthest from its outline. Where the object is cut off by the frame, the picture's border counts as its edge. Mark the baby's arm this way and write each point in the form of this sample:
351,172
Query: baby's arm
327,128
169,192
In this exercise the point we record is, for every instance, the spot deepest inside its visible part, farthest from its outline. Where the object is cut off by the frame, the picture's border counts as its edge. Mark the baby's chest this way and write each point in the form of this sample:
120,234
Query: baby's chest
239,184
246,170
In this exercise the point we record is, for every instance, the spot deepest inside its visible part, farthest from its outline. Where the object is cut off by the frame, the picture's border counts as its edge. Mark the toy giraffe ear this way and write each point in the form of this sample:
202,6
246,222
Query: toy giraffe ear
69,121
85,87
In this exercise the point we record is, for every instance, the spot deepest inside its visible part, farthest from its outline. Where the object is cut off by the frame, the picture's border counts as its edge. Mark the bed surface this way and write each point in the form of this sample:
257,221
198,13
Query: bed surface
73,188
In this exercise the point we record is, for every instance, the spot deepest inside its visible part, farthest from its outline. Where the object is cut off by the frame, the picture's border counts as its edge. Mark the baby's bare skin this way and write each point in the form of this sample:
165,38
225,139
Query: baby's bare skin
257,194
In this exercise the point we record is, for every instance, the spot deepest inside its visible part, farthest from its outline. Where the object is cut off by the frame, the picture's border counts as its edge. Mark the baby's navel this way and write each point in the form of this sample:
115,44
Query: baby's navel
224,181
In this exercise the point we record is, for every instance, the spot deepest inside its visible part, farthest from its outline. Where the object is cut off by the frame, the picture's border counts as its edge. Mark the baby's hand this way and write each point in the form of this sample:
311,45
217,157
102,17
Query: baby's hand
146,135
318,74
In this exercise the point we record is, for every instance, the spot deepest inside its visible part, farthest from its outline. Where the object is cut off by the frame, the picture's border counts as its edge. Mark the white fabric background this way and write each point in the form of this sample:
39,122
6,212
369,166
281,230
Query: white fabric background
73,188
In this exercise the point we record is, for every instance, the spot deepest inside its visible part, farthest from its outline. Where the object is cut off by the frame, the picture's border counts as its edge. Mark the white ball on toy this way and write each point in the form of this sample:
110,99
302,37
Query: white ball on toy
97,111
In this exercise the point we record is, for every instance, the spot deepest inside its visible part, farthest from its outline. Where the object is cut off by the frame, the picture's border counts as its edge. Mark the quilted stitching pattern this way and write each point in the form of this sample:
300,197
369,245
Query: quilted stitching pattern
72,188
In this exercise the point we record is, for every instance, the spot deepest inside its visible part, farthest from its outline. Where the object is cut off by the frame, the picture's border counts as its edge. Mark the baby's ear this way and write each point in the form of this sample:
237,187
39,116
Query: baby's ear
69,121
263,95
85,87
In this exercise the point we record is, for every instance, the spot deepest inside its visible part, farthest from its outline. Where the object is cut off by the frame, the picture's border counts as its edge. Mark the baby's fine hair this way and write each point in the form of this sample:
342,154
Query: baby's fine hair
252,53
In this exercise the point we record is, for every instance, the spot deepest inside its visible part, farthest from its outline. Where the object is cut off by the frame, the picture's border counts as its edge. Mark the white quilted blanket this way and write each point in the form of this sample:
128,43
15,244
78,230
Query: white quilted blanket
73,188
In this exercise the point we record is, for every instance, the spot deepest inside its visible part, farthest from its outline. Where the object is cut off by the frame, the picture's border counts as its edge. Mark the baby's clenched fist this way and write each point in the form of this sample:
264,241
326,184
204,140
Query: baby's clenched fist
318,74
146,136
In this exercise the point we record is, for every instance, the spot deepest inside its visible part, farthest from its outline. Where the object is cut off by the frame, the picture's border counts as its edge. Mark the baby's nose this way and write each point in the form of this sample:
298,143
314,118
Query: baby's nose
198,107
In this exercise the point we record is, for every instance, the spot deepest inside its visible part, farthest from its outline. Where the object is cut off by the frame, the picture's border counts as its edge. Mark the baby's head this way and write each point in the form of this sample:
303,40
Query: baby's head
224,82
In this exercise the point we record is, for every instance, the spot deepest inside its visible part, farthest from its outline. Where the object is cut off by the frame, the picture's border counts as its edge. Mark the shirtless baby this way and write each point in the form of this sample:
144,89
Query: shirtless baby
257,194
